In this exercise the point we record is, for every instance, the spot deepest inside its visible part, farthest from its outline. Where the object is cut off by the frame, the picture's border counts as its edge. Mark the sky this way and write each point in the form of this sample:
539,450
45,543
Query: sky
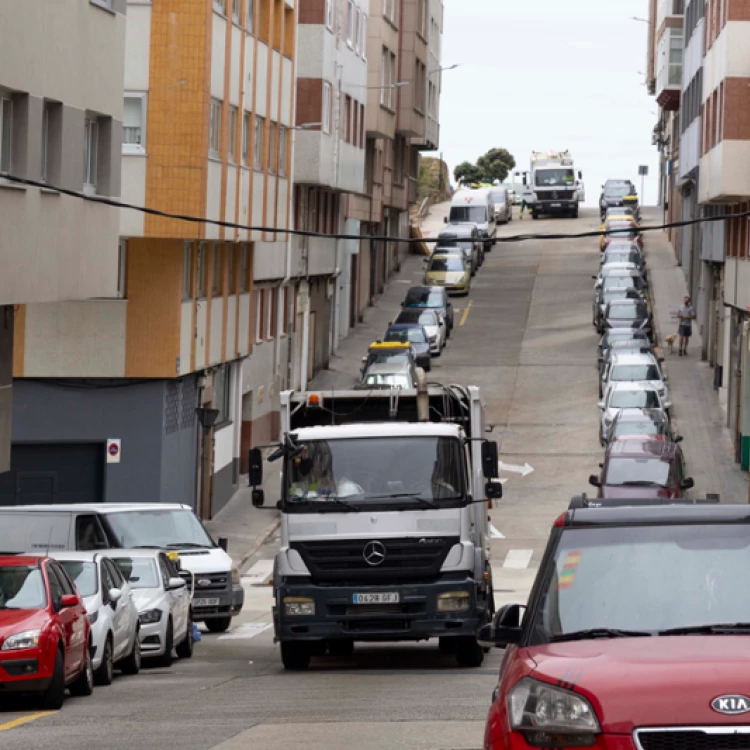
550,75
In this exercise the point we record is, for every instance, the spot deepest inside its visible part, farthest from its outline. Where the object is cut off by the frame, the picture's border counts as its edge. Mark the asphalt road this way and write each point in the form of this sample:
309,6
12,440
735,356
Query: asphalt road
527,341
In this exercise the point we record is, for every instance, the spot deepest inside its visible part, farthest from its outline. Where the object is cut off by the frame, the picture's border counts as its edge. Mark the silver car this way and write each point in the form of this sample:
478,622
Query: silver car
612,268
637,368
431,321
388,375
624,396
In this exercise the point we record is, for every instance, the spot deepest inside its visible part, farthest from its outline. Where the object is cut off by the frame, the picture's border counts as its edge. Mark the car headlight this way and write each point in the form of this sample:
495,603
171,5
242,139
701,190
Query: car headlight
299,606
150,616
549,716
453,601
93,617
26,639
433,339
235,576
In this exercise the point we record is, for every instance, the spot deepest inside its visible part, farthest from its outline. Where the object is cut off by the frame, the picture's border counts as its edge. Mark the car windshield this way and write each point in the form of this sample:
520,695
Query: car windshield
646,427
424,318
603,577
622,282
407,335
363,472
472,214
158,528
392,380
554,177
21,587
628,310
642,399
446,263
624,257
499,198
635,372
636,471
616,191
84,575
423,298
140,572
611,294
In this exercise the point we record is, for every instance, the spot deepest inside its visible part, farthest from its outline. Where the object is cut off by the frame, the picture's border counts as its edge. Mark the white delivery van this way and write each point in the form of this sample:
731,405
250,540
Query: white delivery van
218,596
475,207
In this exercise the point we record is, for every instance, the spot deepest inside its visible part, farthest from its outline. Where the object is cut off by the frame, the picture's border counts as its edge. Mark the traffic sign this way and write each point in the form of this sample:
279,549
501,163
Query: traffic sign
643,170
114,446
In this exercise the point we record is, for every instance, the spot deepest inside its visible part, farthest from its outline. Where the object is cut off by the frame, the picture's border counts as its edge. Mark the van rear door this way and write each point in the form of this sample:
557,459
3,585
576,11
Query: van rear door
32,531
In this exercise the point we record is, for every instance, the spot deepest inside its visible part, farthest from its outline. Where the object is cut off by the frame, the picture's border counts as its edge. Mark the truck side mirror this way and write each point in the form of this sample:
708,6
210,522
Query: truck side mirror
594,481
493,491
258,498
490,468
256,467
224,543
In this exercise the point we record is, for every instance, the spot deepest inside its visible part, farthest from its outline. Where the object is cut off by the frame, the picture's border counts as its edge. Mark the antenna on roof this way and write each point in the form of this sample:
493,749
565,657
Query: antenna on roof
49,541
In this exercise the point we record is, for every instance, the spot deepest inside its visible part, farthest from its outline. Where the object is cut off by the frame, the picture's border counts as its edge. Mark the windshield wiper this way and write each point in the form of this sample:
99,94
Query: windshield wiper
641,483
186,545
593,633
400,495
724,628
326,498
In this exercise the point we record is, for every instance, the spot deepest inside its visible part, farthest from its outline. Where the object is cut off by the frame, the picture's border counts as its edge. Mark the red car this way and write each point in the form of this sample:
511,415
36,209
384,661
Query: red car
636,635
642,468
44,631
621,230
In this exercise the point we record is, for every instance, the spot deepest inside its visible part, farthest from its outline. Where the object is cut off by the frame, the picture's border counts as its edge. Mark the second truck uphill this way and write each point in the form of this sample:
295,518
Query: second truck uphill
553,186
384,521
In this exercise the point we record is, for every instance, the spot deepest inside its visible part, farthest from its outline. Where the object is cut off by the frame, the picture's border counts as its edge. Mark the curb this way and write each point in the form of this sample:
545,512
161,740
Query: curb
260,541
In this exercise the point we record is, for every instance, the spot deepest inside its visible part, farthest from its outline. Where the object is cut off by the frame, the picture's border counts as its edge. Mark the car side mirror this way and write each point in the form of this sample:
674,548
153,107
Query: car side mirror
667,404
660,359
601,466
69,600
678,439
490,467
594,278
504,629
493,491
594,481
258,498
601,405
256,467
445,219
175,583
224,543
115,595
687,484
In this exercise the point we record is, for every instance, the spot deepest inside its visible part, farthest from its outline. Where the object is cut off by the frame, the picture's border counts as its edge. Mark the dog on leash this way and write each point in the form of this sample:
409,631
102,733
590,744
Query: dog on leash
670,342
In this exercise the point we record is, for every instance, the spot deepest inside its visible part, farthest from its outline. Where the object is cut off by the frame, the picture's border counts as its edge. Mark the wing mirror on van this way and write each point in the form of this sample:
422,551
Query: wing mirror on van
223,543
445,219
256,467
490,467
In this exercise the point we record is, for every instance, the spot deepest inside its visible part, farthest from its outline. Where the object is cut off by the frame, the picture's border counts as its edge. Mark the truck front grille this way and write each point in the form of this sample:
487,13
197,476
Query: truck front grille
703,738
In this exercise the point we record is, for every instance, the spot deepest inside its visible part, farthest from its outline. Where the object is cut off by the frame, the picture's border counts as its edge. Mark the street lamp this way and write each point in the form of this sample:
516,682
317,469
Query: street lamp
642,20
447,67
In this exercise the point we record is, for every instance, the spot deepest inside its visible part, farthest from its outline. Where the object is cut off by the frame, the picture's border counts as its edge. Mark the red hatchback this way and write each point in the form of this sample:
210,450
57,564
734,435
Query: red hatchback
44,631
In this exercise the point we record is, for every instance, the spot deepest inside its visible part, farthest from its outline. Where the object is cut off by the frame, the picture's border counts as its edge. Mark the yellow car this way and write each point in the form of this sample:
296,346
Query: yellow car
449,271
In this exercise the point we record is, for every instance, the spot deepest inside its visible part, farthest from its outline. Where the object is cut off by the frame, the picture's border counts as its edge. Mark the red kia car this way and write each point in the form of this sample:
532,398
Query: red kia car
636,635
44,631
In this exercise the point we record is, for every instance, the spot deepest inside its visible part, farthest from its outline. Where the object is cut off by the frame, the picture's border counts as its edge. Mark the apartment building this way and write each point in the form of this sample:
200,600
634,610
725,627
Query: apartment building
61,110
181,371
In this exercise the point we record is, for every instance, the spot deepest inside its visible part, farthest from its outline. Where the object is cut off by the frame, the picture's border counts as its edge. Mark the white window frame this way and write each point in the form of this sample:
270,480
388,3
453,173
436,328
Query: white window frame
220,6
269,333
249,15
272,165
327,104
357,22
363,34
214,133
136,148
217,254
6,134
236,9
350,23
282,150
260,294
244,263
245,137
122,265
330,13
258,137
232,149
46,106
200,284
90,147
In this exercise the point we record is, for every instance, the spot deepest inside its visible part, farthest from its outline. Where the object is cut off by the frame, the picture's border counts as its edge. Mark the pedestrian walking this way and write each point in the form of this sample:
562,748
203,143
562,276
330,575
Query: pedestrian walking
686,315
524,207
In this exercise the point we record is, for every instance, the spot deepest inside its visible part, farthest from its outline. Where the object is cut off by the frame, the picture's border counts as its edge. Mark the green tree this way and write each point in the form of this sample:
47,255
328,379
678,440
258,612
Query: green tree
467,172
496,164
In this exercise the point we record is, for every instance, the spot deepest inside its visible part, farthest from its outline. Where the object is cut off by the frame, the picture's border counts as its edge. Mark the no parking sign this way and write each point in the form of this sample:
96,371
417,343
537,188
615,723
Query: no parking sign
113,450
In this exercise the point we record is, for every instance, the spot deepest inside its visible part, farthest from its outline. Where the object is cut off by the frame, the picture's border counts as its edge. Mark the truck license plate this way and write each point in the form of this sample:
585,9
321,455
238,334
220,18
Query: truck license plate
555,205
376,598
206,602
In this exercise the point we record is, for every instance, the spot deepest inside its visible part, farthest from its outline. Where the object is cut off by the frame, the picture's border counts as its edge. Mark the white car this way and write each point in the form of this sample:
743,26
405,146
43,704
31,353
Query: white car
609,268
635,367
107,596
163,601
433,323
624,396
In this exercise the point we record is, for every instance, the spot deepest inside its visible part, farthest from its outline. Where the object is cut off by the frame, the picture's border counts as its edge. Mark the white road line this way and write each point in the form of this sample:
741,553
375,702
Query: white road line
495,534
258,574
246,632
518,558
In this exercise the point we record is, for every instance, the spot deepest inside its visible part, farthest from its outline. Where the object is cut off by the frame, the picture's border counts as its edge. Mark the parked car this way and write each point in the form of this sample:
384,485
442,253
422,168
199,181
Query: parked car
637,424
627,313
390,375
414,335
642,468
634,367
433,323
432,298
622,397
613,195
624,253
615,212
391,352
503,204
619,334
450,272
466,237
626,346
112,614
623,277
44,631
616,269
603,297
162,598
619,229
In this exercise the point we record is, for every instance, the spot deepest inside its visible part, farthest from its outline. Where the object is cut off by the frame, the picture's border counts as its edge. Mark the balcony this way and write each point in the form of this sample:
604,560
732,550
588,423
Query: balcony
669,69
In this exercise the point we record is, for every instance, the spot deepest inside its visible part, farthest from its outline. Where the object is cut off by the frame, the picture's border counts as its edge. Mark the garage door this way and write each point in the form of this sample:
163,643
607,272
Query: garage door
46,473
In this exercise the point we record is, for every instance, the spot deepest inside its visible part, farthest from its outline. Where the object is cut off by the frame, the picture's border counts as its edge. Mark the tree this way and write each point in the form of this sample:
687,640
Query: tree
467,172
496,164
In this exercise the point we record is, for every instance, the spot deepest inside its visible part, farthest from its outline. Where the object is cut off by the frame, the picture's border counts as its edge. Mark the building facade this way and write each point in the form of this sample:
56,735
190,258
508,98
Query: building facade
61,110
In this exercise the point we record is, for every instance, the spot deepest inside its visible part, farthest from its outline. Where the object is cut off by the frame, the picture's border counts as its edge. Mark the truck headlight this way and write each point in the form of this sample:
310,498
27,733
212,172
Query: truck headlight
235,576
299,606
150,616
26,639
549,716
453,601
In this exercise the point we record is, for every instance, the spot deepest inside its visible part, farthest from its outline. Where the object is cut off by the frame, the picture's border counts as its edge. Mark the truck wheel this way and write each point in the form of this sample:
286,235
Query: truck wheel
219,624
447,645
342,648
468,652
295,655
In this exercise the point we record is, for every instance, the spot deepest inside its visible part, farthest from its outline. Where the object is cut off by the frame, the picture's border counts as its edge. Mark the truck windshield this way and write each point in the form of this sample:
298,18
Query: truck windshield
158,528
603,578
388,471
554,177
473,214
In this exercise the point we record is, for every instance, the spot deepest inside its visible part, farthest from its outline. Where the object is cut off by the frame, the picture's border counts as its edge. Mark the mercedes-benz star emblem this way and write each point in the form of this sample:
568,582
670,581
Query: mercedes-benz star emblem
374,553
554,194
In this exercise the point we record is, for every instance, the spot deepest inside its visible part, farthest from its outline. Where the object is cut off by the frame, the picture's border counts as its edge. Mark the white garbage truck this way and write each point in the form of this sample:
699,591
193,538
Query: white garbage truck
384,521
555,186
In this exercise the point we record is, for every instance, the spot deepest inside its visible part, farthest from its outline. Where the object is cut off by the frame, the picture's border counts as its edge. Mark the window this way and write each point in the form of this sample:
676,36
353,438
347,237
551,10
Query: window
357,21
273,315
187,271
260,314
221,394
363,36
236,10
244,251
221,6
245,136
349,23
122,262
422,18
387,77
89,533
202,270
345,118
327,101
330,10
134,123
390,10
215,129
258,143
249,21
217,272
282,149
230,268
90,151
232,133
272,147
45,138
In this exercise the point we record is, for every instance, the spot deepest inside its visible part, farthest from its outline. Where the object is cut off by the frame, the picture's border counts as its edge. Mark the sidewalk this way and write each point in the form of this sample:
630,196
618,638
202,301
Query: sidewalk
697,412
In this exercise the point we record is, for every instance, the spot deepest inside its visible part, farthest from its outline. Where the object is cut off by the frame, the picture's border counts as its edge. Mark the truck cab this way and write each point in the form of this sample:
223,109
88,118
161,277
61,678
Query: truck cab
556,186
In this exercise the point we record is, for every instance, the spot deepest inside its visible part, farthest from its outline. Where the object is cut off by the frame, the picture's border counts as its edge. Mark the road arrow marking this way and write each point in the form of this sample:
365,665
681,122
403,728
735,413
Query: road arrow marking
495,534
524,470
518,558
246,632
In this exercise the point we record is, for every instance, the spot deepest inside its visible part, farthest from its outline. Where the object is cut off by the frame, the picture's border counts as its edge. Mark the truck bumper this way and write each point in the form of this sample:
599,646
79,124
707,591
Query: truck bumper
555,207
415,617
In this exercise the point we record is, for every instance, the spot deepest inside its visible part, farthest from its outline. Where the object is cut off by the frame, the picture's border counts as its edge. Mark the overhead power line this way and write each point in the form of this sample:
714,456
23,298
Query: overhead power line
326,235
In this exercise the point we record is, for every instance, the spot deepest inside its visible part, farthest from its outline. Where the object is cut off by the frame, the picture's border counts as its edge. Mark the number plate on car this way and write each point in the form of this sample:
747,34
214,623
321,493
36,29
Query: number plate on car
205,602
376,598
555,205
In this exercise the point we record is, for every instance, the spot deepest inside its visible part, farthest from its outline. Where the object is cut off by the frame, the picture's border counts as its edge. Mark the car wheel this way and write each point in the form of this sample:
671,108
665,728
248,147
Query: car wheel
219,624
295,655
54,696
131,664
165,660
469,653
185,647
106,671
84,685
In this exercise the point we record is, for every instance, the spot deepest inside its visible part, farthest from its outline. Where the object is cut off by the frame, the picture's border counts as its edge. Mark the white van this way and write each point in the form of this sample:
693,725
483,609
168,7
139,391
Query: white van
218,596
475,207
